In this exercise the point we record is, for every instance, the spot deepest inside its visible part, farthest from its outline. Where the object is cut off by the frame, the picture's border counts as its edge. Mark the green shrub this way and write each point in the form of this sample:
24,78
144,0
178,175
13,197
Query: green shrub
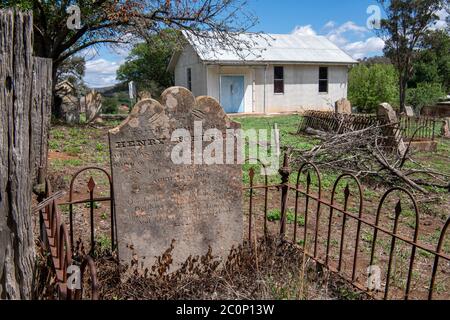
110,105
369,86
425,94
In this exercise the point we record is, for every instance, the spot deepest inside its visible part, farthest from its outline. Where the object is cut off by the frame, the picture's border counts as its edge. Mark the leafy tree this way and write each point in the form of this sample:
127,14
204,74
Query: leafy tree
375,60
116,21
370,85
153,76
425,94
433,61
404,28
72,70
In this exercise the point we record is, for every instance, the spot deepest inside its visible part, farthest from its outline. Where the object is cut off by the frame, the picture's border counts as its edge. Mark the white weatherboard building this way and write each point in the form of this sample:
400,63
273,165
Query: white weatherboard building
283,73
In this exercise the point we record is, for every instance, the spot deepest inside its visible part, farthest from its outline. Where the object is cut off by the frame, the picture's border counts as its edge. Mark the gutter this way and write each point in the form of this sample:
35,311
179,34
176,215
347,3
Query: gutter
264,63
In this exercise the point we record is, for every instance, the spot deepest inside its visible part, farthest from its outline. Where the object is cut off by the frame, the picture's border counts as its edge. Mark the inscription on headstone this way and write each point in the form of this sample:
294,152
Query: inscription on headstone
157,201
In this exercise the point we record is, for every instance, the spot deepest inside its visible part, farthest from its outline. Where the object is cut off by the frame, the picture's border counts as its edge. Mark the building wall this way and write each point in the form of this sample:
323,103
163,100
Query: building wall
213,82
190,59
301,84
301,88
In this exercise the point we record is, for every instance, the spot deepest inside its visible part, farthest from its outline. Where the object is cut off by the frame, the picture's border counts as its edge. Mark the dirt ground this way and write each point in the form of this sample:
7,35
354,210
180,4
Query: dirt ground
73,148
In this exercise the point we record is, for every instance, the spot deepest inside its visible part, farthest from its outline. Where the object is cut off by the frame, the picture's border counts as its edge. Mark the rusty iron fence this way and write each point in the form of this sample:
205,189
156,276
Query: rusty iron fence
54,238
411,128
336,122
332,233
420,128
91,201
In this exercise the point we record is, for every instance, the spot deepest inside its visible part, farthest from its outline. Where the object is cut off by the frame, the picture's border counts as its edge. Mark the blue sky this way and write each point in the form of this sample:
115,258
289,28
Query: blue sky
344,22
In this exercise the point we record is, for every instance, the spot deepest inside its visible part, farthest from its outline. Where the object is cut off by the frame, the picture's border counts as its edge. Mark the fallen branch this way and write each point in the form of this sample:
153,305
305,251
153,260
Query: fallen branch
366,152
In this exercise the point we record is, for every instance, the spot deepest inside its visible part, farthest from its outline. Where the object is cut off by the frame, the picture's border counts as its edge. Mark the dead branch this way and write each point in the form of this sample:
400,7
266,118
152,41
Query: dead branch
367,152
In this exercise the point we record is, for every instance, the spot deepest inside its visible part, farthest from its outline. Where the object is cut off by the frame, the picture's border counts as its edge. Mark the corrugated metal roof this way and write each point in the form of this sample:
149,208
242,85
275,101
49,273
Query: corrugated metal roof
293,48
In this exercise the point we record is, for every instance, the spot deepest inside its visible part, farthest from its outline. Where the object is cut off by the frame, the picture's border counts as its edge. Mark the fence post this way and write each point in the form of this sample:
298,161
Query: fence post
40,118
285,173
16,224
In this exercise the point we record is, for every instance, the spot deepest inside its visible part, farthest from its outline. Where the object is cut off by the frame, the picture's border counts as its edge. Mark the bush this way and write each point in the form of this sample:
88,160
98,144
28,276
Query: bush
425,94
371,85
110,105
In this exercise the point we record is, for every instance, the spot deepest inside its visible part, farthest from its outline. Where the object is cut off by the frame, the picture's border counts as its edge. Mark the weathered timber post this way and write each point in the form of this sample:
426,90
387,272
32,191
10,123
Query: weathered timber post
25,84
40,118
285,173
16,236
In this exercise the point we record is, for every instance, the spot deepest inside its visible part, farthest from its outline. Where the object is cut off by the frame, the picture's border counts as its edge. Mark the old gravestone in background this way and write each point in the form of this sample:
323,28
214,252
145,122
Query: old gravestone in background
93,103
343,106
157,201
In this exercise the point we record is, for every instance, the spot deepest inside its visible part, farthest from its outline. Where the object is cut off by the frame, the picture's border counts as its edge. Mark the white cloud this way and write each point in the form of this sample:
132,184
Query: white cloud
338,35
89,53
349,36
304,30
329,25
361,49
101,72
442,22
350,26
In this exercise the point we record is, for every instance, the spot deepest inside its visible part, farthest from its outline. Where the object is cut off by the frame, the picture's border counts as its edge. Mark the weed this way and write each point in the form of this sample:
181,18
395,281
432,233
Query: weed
96,205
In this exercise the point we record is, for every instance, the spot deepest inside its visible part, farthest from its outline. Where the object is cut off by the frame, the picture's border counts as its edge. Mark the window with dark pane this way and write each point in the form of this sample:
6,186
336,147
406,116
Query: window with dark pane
323,79
278,82
189,78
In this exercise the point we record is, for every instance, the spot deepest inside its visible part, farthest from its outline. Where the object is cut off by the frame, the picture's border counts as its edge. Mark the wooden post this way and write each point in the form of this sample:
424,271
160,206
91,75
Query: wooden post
40,117
19,131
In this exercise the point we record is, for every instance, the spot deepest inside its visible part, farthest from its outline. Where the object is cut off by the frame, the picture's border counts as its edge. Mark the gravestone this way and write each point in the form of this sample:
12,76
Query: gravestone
144,95
409,111
70,109
343,106
157,201
93,105
386,115
446,128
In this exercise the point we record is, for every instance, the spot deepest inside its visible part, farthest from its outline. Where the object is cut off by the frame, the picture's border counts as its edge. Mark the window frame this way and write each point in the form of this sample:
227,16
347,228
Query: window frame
189,78
323,79
279,80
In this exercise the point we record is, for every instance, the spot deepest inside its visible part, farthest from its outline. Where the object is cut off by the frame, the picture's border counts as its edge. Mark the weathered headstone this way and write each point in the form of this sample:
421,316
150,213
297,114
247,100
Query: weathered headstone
409,111
144,95
386,115
157,201
343,106
70,104
93,105
446,128
70,108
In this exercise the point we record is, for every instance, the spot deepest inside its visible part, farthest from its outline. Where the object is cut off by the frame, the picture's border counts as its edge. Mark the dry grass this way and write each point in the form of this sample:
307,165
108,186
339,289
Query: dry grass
269,270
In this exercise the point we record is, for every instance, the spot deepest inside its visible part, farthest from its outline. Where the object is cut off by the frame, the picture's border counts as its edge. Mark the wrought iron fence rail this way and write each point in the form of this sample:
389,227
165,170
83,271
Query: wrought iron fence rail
362,222
54,238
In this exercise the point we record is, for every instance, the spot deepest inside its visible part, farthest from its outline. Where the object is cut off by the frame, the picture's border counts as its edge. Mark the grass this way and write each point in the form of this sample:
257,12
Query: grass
103,242
81,146
275,215
78,146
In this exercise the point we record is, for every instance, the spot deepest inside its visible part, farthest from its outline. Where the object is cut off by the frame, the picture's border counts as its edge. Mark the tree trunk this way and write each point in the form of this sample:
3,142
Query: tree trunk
56,106
402,94
16,229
